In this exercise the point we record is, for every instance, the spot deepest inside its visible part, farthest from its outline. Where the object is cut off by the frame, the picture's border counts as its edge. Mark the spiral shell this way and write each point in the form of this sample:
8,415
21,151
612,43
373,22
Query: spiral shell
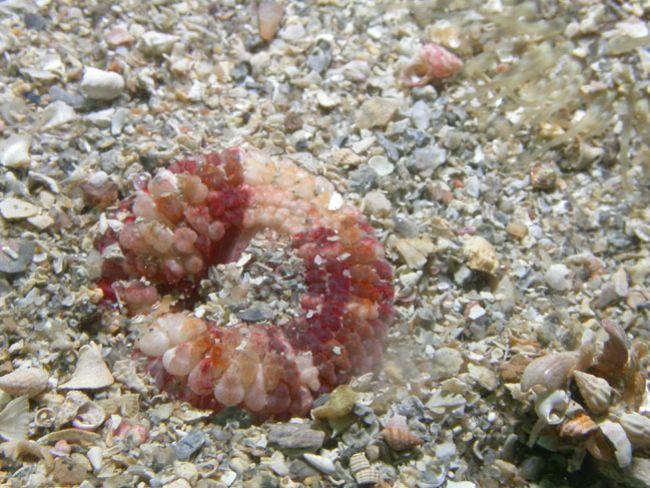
44,417
358,462
637,428
551,407
595,391
550,372
400,439
367,477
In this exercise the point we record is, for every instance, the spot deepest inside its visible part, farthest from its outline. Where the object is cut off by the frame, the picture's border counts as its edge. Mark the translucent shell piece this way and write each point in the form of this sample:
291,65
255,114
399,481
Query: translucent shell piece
595,391
637,428
550,372
617,437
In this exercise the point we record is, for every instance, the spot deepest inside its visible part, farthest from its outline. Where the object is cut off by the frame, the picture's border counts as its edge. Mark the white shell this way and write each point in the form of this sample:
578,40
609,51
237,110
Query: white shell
551,407
595,391
89,417
14,152
14,419
98,84
91,372
622,446
637,428
24,381
321,463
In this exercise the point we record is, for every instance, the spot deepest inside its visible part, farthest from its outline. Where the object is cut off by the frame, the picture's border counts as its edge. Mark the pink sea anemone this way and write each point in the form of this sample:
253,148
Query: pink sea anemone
204,211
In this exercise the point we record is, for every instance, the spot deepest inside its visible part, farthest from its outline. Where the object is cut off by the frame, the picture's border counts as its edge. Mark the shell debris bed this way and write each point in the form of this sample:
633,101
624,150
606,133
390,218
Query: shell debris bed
440,280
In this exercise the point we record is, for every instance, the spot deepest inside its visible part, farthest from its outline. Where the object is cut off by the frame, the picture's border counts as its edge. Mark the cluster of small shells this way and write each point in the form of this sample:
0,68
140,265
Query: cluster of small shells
593,399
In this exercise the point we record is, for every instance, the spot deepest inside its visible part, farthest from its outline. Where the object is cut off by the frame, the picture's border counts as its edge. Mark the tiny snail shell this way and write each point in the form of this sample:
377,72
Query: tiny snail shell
551,407
367,476
358,462
550,372
595,391
637,428
400,439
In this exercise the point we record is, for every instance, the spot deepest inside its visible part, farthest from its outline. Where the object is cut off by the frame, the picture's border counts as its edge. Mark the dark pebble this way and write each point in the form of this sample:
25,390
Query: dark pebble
25,252
188,445
35,21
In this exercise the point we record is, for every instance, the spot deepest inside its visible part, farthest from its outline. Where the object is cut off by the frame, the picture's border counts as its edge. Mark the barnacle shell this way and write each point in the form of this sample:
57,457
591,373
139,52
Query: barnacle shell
595,391
89,417
358,462
91,372
550,372
400,439
551,407
14,419
637,428
616,435
24,381
578,427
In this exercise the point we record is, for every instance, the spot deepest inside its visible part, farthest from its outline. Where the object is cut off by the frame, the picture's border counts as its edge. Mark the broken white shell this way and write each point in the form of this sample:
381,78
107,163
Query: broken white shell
89,417
550,372
14,152
68,410
24,381
616,435
14,419
91,372
595,391
637,428
551,407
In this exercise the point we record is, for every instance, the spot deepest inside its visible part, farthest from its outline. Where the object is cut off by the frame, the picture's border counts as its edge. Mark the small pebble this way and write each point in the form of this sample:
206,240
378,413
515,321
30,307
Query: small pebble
376,112
557,277
98,84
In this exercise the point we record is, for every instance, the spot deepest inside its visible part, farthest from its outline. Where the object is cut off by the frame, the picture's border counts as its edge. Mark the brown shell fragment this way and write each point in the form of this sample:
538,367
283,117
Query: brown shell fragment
615,352
400,439
578,428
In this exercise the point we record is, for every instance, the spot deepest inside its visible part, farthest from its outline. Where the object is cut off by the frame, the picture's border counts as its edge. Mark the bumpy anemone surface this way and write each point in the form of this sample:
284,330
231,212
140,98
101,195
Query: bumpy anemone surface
204,211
